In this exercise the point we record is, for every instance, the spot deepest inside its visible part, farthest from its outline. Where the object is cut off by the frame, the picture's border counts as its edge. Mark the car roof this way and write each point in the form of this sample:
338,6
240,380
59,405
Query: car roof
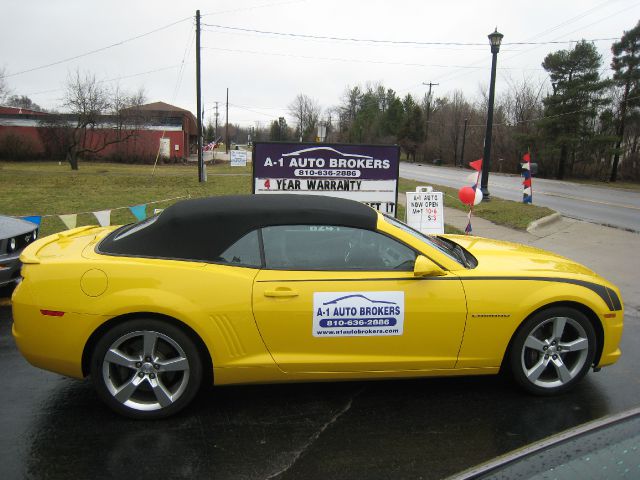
203,228
280,209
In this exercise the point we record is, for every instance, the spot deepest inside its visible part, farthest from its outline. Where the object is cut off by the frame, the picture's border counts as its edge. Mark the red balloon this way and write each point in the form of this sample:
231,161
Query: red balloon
467,195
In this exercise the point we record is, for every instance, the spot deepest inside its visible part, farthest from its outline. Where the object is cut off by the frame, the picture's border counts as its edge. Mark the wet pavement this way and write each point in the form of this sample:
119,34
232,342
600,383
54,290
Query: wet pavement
52,427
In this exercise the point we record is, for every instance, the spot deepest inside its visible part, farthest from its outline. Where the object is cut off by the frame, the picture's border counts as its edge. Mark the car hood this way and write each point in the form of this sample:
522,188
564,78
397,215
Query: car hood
506,258
12,227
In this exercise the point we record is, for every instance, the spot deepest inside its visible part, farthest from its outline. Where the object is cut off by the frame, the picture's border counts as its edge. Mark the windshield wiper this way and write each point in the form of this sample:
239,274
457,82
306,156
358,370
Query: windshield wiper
461,255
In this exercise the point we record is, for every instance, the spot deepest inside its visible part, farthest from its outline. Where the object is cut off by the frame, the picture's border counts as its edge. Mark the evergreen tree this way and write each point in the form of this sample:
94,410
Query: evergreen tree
411,133
626,67
393,116
279,130
571,110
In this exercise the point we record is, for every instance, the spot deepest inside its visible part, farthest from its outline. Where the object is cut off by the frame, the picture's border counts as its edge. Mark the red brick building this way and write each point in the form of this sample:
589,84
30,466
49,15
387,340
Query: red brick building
161,129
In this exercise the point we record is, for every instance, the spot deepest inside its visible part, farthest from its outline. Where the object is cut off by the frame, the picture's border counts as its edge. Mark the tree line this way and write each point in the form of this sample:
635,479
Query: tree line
583,125
578,123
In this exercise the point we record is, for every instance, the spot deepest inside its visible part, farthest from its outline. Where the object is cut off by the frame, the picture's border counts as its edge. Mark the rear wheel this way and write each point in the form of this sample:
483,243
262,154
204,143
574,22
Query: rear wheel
146,368
552,351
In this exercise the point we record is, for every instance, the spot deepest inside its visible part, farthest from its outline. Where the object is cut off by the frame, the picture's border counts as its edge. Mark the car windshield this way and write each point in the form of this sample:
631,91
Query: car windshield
444,245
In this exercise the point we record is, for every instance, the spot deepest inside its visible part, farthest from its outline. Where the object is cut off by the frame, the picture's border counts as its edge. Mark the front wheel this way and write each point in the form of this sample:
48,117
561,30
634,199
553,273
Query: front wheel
146,368
552,351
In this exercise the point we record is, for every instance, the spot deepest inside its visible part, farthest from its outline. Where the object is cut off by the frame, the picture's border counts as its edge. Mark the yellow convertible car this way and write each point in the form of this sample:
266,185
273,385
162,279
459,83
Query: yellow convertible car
275,288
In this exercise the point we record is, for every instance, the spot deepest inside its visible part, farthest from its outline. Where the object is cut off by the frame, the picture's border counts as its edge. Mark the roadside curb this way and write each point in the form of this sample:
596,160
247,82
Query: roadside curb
544,221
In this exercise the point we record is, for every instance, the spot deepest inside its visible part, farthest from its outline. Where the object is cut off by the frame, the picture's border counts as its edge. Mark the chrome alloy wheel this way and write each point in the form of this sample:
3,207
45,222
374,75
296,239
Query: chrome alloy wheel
145,370
555,352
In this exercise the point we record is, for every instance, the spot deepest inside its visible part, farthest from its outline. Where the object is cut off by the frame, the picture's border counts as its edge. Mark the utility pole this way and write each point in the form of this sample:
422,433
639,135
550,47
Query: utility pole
199,100
426,133
464,137
216,132
226,140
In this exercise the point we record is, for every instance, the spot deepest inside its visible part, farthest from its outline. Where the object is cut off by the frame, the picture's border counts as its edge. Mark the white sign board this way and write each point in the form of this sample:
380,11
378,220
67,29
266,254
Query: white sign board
358,314
238,158
425,210
165,148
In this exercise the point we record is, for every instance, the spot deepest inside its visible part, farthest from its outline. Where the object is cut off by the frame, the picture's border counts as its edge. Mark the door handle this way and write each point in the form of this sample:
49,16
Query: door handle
281,293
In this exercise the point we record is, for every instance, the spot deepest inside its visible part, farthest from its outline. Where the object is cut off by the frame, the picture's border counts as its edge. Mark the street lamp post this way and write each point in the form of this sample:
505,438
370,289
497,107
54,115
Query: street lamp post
494,40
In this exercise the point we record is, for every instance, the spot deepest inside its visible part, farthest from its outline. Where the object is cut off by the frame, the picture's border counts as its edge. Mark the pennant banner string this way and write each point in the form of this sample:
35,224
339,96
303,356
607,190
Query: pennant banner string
70,221
139,211
116,208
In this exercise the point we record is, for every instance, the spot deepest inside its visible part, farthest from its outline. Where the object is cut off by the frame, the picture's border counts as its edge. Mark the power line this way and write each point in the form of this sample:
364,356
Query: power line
187,49
97,50
571,20
114,79
359,60
241,107
456,74
380,41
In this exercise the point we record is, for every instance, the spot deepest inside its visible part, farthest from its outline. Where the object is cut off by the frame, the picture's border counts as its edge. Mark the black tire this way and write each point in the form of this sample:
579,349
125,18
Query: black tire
146,369
543,363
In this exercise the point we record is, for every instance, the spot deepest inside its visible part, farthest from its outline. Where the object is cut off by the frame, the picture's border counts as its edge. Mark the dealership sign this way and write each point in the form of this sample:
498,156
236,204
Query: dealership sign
366,173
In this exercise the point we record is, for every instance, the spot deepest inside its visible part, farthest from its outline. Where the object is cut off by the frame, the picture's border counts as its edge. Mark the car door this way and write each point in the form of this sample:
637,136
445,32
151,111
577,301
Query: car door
339,299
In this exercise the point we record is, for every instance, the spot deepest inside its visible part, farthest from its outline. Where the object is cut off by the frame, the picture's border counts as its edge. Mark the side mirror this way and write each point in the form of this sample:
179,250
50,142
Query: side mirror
426,268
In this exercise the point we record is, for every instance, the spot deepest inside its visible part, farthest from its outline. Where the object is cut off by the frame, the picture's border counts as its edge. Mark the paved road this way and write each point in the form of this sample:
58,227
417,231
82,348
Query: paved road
606,206
56,428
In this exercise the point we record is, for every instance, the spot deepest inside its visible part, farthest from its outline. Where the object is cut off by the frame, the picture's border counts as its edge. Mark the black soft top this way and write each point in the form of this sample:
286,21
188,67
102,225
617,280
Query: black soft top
203,228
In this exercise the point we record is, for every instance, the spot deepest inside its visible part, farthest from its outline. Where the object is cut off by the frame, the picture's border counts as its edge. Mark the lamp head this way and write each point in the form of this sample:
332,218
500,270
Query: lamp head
495,39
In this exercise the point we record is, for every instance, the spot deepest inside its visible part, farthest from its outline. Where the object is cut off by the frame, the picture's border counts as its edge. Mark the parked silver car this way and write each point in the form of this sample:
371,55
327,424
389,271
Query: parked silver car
15,235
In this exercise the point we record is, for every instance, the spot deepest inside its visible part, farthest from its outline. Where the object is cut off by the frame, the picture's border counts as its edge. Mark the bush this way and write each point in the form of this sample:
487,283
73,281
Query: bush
15,147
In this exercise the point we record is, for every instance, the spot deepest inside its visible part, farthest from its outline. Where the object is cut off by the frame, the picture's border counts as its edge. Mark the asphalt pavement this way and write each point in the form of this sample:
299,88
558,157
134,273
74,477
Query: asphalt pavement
56,428
614,207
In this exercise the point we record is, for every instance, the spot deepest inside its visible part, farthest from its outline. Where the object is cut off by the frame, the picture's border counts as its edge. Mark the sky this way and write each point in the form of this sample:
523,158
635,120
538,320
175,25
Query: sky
151,45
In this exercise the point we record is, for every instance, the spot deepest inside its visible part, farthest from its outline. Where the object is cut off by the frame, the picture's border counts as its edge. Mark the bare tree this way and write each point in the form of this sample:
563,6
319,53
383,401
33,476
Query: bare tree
99,116
24,102
4,86
306,112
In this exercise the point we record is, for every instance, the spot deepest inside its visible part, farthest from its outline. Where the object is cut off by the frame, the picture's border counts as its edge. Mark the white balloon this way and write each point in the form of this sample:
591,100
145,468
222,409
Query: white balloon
478,199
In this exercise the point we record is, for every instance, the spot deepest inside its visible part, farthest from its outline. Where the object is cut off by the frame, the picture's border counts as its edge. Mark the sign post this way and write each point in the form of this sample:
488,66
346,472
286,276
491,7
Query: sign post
425,210
365,173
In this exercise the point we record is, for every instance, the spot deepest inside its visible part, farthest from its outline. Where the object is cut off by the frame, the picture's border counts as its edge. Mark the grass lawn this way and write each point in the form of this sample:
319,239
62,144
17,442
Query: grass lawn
46,188
503,212
621,185
49,189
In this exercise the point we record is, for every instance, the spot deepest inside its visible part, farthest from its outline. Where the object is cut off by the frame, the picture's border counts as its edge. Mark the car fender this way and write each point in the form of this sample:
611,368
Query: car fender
231,339
503,314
